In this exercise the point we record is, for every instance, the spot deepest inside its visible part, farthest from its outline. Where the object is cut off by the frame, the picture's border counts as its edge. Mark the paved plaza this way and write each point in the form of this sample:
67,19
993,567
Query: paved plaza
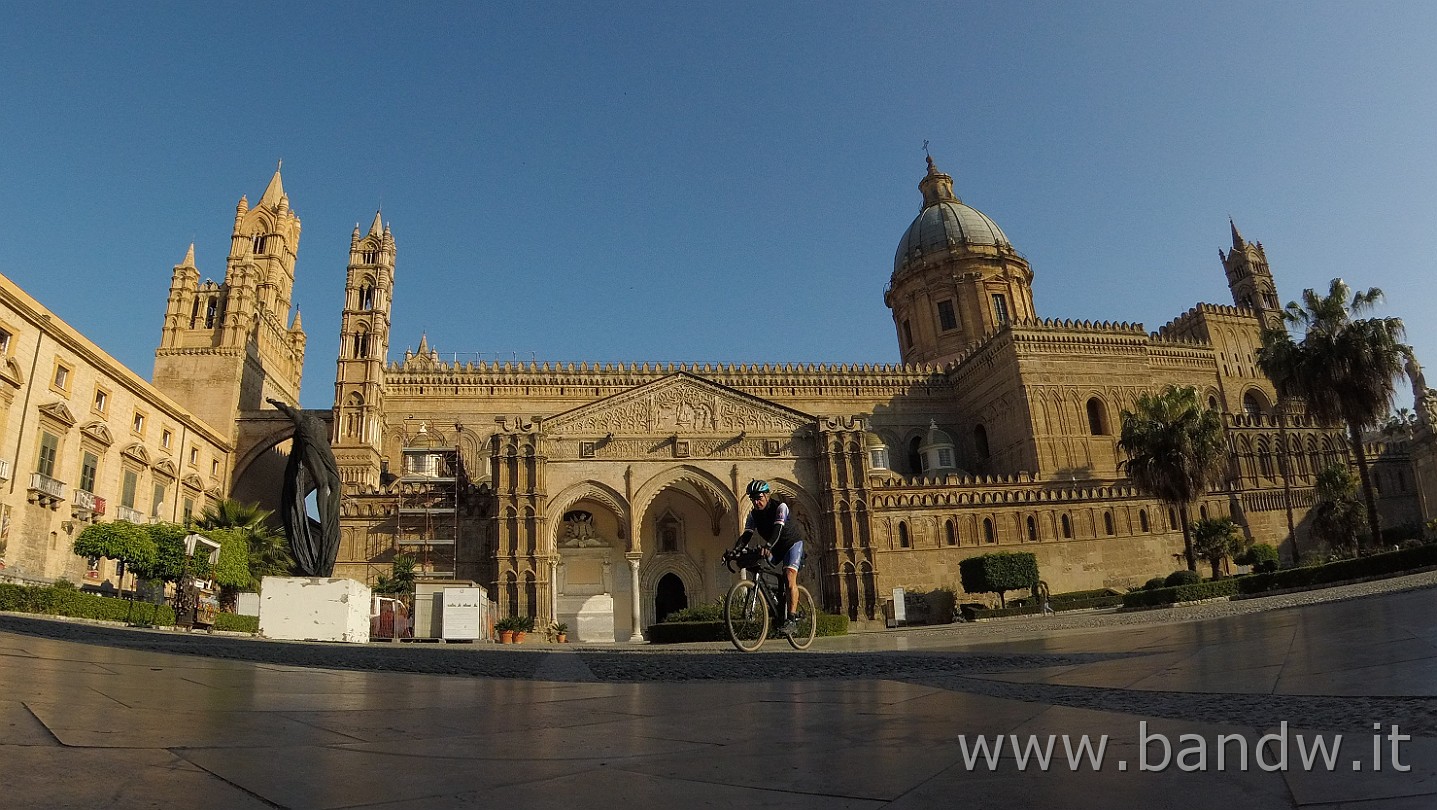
108,717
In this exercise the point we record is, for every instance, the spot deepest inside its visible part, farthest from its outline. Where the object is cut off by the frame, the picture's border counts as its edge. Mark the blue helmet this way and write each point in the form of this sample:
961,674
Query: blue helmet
757,487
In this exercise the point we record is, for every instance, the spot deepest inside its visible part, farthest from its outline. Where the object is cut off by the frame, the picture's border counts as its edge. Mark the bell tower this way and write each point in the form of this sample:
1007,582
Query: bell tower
1250,279
363,350
226,347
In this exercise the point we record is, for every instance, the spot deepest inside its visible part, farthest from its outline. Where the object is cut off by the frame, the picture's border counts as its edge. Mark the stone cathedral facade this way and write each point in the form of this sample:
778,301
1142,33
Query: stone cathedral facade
607,492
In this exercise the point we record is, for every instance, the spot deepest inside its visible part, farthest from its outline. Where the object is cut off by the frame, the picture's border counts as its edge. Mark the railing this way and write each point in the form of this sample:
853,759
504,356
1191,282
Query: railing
125,513
4,470
41,482
83,500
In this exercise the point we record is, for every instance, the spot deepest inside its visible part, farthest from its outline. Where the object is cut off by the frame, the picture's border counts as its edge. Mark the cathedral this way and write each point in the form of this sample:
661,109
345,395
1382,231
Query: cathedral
607,492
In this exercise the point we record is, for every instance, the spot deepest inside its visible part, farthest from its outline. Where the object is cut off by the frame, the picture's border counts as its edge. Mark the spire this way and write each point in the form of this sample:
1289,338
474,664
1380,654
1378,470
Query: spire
936,186
297,323
1237,243
423,343
378,227
274,192
189,260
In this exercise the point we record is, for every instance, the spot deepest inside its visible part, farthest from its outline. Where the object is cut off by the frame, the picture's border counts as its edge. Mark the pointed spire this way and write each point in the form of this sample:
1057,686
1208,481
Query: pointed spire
242,207
297,321
189,260
936,186
274,192
1237,242
377,228
423,343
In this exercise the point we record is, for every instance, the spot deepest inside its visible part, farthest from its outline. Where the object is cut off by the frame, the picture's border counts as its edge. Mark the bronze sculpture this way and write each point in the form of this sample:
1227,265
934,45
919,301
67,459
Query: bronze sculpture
315,544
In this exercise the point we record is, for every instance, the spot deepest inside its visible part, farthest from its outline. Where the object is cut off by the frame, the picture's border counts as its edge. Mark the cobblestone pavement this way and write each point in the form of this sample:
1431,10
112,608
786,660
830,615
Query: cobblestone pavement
157,718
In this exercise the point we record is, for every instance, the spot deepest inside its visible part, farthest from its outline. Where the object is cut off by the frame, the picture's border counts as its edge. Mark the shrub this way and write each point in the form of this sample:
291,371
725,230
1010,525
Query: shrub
1182,593
709,612
1106,601
64,601
1261,556
236,623
998,572
1374,565
832,624
1155,583
1177,578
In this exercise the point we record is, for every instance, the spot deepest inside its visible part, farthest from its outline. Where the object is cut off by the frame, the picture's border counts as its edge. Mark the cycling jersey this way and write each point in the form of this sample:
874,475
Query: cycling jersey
773,526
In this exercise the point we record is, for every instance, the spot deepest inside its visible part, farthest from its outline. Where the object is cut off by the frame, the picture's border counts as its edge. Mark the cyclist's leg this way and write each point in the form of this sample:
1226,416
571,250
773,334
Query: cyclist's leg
791,562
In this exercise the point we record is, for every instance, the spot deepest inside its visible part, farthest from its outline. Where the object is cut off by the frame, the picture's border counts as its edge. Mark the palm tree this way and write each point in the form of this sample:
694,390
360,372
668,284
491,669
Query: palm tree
1215,539
1337,519
1175,451
1344,371
268,549
1400,424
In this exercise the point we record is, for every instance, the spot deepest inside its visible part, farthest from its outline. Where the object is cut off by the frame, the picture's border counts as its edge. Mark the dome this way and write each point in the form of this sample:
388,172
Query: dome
944,222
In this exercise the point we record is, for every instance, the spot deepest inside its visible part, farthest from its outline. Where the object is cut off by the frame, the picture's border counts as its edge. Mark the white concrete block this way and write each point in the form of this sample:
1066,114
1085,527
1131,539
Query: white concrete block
314,609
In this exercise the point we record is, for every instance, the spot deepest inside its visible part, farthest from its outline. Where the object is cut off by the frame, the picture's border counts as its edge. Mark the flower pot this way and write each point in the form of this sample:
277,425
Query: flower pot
518,636
563,638
506,636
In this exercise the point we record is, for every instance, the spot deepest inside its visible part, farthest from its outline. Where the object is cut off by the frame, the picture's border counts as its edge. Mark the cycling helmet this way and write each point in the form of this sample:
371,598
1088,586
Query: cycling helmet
757,487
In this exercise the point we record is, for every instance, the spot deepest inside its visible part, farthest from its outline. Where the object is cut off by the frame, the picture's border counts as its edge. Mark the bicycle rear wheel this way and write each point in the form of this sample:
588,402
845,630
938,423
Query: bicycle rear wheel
746,615
807,627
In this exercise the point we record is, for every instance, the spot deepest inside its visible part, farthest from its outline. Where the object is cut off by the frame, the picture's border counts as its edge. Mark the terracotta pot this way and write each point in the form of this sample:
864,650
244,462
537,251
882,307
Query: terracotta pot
506,636
563,638
518,636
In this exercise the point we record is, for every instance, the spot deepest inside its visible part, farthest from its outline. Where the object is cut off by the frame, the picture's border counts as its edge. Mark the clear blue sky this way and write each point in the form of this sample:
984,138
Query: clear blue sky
711,182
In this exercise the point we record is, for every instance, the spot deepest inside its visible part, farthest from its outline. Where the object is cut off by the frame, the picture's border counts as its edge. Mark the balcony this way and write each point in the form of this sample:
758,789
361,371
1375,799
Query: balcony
4,470
45,490
129,515
84,505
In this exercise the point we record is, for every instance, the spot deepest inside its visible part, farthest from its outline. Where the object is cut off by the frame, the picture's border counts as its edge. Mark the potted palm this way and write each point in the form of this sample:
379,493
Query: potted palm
525,624
557,632
507,627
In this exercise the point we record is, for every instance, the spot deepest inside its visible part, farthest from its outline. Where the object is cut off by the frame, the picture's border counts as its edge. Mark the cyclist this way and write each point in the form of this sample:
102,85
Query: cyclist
782,542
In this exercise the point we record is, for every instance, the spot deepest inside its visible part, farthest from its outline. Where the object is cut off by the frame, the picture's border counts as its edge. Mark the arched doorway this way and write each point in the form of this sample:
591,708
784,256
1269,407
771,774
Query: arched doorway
669,596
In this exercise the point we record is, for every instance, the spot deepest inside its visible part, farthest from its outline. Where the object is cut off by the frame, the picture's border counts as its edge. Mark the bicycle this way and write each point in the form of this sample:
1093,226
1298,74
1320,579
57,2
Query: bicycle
750,602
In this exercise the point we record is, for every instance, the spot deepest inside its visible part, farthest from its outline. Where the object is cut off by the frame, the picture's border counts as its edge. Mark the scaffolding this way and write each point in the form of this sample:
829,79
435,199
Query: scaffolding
430,485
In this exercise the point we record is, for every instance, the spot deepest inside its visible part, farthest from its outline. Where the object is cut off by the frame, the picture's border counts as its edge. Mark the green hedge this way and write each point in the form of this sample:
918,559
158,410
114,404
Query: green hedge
680,632
70,602
1390,562
67,601
1181,593
1106,601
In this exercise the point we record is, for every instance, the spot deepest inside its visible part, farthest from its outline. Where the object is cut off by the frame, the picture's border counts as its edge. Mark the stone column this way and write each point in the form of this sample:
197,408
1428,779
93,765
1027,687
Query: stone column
633,558
554,588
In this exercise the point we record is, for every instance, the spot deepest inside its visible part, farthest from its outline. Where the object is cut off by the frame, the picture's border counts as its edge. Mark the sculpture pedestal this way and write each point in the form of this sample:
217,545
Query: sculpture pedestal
590,618
314,609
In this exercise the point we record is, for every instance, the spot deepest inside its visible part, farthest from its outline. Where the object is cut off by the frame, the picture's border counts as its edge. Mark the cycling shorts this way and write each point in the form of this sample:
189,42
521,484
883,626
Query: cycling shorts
794,557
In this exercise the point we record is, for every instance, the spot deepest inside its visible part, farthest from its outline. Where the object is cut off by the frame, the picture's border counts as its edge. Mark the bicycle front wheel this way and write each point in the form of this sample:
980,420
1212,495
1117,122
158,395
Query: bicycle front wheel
746,616
807,626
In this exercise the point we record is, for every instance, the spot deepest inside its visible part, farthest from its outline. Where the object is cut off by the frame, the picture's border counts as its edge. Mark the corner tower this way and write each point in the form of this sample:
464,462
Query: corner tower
1250,279
363,350
956,278
227,347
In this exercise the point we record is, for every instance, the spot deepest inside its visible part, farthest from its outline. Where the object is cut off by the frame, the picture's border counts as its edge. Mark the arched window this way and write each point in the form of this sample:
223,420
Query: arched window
258,244
1172,519
1067,527
1143,519
988,531
1202,512
361,343
1032,530
366,295
915,459
980,442
1212,403
671,531
902,534
1108,523
951,532
1097,418
1252,405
